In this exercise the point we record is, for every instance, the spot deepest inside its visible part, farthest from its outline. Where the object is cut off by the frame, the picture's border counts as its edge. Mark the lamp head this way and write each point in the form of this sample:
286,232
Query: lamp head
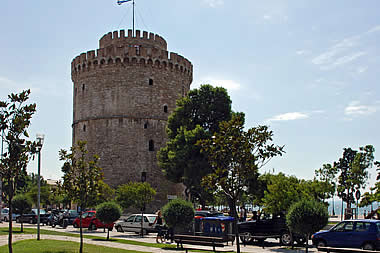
40,140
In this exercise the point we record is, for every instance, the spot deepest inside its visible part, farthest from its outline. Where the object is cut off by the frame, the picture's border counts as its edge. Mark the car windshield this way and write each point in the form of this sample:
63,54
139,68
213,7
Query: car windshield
42,211
73,213
151,219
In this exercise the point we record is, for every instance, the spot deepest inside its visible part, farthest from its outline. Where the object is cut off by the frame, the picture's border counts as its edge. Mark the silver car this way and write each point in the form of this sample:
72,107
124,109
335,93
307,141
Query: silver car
133,224
5,214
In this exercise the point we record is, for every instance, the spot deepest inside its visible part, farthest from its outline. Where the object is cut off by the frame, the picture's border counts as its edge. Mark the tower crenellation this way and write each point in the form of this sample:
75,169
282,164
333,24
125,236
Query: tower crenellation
117,48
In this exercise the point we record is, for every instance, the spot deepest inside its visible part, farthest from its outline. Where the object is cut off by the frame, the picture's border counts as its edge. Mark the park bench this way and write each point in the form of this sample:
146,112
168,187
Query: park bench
200,240
345,250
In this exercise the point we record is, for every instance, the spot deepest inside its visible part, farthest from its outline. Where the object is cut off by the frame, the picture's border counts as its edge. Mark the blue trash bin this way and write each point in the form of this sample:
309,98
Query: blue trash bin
221,226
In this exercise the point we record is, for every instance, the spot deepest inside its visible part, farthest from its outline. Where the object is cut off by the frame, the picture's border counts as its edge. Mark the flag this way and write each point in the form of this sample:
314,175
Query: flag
119,2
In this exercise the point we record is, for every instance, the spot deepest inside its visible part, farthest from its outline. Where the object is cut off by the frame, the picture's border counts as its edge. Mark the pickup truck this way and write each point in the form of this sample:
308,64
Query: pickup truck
268,226
31,217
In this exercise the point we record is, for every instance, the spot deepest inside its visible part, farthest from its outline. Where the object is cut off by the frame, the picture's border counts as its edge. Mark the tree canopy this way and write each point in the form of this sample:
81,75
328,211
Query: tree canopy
107,213
235,156
15,118
352,169
196,117
306,217
81,178
135,194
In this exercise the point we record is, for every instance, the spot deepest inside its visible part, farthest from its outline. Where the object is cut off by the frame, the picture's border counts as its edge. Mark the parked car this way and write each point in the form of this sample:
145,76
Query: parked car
268,226
363,234
133,224
90,221
207,213
5,214
70,216
32,217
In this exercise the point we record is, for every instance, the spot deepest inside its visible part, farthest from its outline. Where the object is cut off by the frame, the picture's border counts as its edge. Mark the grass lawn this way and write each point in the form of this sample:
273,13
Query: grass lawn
4,231
53,246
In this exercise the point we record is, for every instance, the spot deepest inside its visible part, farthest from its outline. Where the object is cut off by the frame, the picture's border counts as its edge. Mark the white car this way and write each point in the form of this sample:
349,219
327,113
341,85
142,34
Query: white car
133,224
5,214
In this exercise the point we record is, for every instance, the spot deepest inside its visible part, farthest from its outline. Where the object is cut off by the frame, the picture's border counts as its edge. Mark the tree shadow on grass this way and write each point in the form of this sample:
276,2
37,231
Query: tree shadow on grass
105,240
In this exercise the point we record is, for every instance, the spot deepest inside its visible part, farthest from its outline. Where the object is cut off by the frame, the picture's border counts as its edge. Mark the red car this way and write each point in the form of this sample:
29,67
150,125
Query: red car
90,221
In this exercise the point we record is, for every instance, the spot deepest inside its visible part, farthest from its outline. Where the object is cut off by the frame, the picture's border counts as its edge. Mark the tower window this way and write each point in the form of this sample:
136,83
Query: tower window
151,145
150,81
84,128
165,108
83,87
146,125
137,49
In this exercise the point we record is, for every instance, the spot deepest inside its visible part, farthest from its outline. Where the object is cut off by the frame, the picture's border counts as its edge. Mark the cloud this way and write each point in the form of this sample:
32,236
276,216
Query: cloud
356,109
213,3
289,116
361,69
344,51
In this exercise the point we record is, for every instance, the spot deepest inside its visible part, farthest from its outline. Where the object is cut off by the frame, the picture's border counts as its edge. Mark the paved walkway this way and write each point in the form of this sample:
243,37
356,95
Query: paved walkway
272,246
250,248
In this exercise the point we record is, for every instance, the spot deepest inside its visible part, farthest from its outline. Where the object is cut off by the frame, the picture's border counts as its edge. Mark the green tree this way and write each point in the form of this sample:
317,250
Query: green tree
15,119
197,116
281,192
105,194
178,214
45,194
352,169
107,213
327,178
307,217
135,194
21,204
235,156
81,178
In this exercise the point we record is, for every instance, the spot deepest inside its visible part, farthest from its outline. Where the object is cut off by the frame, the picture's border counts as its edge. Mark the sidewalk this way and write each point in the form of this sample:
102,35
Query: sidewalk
247,249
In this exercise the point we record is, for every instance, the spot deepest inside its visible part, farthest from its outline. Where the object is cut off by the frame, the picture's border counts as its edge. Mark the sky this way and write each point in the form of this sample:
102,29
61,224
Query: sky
308,69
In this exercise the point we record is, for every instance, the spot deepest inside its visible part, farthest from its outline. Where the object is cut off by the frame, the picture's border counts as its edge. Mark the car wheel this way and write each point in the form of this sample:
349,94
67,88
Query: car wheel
31,221
119,229
5,219
18,220
368,246
75,225
321,243
286,239
92,227
246,238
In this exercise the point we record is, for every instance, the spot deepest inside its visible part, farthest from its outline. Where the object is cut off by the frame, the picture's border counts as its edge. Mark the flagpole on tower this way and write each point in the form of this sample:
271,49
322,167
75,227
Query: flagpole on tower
119,2
133,21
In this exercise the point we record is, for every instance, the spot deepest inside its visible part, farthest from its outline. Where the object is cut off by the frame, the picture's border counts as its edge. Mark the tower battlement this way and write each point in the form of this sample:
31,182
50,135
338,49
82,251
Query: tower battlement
115,48
147,40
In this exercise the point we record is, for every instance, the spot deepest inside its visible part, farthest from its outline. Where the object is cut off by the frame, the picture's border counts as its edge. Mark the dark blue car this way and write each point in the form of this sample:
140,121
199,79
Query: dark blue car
363,234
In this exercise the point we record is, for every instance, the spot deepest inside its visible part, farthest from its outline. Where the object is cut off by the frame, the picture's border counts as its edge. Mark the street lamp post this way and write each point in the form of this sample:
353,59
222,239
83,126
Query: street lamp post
39,142
143,179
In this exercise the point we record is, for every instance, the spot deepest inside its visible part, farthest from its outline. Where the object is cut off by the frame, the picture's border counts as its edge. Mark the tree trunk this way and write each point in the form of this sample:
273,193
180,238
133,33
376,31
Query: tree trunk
80,232
10,185
307,243
232,204
22,227
108,234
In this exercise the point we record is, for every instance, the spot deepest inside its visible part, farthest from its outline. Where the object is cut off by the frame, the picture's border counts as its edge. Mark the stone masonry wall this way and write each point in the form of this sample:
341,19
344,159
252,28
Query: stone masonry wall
123,96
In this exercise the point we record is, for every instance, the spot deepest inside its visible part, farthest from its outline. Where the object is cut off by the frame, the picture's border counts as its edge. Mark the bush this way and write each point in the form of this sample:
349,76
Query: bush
21,204
178,214
108,212
307,217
